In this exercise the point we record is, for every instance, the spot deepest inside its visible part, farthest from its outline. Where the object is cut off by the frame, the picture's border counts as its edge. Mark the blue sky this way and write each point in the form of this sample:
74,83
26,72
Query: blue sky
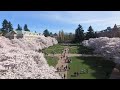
61,20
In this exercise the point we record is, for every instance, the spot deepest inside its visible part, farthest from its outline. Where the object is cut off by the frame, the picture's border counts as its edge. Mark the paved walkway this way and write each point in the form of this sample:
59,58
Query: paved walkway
61,63
72,55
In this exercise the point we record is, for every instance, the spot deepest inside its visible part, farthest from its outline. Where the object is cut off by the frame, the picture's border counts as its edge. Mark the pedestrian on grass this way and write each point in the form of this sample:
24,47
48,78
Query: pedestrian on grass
77,73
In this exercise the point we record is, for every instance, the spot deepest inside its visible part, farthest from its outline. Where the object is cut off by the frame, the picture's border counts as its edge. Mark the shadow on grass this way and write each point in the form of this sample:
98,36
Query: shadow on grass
102,68
80,49
84,50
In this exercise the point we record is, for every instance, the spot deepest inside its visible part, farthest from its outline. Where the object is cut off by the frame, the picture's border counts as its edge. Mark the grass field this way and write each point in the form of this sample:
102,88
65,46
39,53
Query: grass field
56,49
79,49
96,66
52,61
73,49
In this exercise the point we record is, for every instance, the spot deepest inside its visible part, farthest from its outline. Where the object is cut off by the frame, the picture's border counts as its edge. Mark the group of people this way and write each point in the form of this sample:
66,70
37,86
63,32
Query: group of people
62,75
67,60
75,74
83,71
63,68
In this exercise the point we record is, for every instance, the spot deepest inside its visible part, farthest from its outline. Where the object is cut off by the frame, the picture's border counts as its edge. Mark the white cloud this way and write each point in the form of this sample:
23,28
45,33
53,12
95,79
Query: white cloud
75,17
83,17
98,19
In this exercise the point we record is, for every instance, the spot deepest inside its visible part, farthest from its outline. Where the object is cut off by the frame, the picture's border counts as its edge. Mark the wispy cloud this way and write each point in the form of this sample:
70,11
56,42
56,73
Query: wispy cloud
76,17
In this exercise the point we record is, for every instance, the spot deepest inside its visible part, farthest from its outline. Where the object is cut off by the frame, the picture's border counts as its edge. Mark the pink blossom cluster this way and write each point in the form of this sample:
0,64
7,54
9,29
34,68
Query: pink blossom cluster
19,60
107,47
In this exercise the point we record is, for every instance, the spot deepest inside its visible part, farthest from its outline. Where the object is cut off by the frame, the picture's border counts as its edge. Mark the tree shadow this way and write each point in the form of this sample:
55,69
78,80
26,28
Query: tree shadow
85,50
102,68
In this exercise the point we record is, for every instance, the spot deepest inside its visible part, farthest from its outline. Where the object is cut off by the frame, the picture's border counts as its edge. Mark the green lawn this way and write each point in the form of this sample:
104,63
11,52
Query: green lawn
52,61
56,49
96,66
79,49
75,49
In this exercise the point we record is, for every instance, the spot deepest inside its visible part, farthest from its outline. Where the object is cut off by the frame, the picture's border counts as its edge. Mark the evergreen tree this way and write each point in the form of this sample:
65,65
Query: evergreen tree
79,34
46,33
5,27
96,35
10,26
90,33
51,34
26,28
19,27
115,26
55,34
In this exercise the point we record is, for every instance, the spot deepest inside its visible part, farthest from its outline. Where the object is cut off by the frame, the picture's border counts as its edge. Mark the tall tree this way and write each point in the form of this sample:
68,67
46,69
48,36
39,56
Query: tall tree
96,35
62,36
19,27
46,33
55,34
10,26
90,33
26,27
51,34
5,27
59,37
79,34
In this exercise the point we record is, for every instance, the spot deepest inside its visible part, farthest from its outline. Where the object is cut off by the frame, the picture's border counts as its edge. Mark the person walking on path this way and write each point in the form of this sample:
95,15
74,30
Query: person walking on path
66,67
63,67
57,69
64,76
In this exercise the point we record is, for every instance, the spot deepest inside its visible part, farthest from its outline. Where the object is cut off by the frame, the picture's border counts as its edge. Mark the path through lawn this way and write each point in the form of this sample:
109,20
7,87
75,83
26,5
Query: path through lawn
88,65
61,63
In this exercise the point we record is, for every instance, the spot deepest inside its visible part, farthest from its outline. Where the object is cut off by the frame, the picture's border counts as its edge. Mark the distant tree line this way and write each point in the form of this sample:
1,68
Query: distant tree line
110,32
47,33
65,37
76,37
7,27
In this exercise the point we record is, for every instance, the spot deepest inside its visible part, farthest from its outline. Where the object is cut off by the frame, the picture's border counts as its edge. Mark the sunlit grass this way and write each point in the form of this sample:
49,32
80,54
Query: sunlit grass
97,67
52,61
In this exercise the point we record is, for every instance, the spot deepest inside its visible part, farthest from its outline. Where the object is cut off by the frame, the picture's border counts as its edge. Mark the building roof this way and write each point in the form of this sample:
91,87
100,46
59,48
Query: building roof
118,26
21,32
